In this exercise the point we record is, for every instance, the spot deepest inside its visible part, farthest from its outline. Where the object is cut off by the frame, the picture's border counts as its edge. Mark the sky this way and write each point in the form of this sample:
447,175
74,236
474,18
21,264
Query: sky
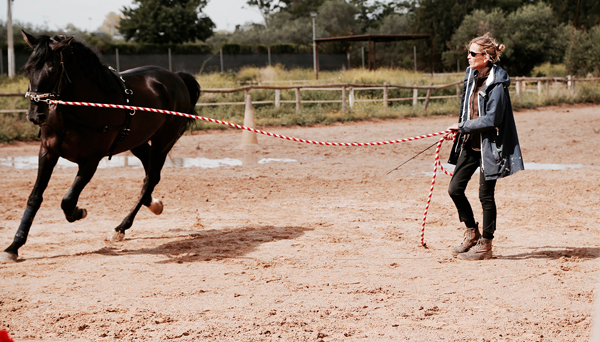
89,15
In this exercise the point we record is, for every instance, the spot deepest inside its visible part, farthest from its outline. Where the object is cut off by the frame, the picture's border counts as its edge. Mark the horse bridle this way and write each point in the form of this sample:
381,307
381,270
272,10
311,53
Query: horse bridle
55,93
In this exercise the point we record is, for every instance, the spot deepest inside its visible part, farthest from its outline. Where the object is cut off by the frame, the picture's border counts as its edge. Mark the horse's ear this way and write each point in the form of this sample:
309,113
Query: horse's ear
62,43
31,40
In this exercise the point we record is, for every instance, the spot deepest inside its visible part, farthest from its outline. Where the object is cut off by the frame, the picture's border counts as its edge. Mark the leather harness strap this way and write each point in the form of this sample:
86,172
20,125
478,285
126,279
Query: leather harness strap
124,129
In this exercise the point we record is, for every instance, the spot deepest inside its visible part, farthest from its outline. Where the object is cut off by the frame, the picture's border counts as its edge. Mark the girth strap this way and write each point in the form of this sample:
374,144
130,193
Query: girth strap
123,129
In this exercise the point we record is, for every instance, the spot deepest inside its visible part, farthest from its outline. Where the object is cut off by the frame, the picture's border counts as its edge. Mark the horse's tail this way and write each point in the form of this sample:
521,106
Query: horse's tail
194,90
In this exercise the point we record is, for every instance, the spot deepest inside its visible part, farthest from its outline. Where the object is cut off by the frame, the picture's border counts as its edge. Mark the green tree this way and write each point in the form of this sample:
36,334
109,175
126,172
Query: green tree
582,14
533,36
583,56
166,21
338,18
474,25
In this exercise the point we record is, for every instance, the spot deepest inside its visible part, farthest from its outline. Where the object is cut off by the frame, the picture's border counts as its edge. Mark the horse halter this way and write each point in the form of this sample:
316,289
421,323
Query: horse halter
55,93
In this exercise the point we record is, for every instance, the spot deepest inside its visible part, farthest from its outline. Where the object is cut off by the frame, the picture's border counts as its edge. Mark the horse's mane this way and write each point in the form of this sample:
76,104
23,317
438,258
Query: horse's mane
86,57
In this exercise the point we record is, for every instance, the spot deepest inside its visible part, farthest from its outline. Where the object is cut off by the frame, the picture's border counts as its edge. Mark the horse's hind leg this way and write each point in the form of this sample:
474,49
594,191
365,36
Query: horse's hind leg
69,202
47,161
142,152
155,161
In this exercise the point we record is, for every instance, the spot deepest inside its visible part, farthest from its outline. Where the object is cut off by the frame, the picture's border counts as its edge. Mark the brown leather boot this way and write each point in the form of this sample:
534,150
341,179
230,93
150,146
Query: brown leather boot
472,235
481,251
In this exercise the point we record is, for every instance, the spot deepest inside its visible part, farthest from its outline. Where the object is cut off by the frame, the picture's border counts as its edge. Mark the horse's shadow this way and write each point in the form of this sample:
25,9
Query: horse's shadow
214,244
552,252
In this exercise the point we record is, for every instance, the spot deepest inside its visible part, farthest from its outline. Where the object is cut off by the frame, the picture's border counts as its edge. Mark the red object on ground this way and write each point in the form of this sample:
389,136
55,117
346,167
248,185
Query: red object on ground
4,336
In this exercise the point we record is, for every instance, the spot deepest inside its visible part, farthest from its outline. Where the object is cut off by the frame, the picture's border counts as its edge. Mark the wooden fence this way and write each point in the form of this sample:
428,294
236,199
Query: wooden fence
348,97
348,92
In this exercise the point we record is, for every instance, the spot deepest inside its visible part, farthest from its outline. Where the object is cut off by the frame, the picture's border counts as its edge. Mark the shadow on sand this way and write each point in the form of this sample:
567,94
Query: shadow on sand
215,244
551,252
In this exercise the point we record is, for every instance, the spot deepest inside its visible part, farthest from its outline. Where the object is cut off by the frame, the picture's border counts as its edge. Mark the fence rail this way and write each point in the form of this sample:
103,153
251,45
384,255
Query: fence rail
349,90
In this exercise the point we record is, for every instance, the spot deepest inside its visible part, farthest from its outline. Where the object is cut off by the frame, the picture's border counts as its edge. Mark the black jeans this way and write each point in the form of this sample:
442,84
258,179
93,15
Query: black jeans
468,162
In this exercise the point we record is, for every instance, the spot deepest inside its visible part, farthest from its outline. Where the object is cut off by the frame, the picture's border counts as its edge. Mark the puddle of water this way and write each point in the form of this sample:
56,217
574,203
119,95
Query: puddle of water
129,161
31,162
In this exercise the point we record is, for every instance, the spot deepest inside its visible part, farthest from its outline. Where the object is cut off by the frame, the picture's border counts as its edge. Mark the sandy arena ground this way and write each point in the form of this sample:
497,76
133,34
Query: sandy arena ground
321,248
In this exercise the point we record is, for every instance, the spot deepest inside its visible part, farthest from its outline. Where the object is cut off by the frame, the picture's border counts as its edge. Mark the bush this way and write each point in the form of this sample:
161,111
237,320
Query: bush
283,48
582,56
237,49
142,48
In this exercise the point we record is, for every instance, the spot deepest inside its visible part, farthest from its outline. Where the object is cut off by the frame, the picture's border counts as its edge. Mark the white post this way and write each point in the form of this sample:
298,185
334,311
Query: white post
277,98
415,95
11,45
539,88
351,98
518,86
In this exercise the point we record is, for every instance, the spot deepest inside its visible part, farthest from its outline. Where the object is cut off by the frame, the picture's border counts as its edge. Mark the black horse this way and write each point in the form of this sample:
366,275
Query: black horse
66,69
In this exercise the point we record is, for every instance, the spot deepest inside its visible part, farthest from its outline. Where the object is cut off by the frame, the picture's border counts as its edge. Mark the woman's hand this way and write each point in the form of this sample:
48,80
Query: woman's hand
453,130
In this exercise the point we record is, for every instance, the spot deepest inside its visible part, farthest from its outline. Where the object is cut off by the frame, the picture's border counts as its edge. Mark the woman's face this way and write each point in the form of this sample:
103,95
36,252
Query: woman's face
480,60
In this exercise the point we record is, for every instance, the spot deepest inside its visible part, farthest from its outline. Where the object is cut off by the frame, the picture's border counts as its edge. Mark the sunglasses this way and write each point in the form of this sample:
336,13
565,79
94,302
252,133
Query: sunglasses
474,54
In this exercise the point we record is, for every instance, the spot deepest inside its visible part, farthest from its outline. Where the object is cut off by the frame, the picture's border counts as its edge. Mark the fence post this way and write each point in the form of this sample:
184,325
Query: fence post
458,93
249,140
363,56
415,94
117,57
170,66
277,98
298,103
428,96
269,53
518,86
539,88
344,98
385,94
221,53
351,97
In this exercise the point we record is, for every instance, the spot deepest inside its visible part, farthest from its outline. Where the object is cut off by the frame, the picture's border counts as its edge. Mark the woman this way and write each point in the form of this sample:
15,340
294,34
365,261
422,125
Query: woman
485,138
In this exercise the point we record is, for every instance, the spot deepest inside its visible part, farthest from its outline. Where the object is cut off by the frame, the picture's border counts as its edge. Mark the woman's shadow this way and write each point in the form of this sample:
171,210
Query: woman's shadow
553,252
214,244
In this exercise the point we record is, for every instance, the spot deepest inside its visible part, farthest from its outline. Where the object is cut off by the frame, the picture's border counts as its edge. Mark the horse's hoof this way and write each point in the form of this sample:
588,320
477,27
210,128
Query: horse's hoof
156,206
83,213
117,236
7,257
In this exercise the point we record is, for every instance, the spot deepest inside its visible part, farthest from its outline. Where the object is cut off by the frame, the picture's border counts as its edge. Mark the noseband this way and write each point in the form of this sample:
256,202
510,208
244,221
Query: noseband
55,93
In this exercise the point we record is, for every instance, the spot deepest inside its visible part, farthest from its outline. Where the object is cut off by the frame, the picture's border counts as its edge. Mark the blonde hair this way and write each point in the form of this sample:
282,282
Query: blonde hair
489,45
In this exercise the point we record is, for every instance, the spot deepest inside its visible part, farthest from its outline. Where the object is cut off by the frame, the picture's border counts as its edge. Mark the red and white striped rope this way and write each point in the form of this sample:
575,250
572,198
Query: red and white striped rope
436,163
197,117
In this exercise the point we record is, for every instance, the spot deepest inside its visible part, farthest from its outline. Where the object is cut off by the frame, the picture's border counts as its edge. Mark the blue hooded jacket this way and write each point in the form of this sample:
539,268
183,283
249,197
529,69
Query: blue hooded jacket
500,151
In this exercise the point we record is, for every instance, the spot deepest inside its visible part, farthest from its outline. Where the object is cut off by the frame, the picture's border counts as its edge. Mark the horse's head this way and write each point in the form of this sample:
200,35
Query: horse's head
47,73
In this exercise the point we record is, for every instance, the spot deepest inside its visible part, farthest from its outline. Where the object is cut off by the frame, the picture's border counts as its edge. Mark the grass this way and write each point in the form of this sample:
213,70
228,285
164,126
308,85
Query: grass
16,127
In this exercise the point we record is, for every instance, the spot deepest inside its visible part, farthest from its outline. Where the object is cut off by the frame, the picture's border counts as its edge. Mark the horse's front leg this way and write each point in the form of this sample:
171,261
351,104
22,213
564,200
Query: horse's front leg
69,202
47,161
